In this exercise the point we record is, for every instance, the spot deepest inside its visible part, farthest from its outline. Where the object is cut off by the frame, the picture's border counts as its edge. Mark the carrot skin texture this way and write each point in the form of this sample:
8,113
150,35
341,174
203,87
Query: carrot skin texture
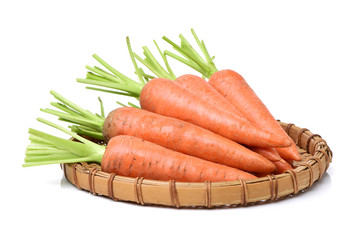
183,137
234,88
168,98
288,153
208,93
133,157
282,166
268,153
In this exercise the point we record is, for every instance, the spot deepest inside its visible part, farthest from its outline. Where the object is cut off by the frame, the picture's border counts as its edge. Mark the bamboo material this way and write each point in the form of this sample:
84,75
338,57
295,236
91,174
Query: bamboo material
315,154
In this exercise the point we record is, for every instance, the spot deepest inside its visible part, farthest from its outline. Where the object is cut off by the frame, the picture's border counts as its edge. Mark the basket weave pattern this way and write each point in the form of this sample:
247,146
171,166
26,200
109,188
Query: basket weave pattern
315,154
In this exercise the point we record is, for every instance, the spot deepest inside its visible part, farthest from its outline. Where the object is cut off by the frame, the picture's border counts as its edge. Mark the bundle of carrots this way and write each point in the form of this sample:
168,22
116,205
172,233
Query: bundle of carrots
186,128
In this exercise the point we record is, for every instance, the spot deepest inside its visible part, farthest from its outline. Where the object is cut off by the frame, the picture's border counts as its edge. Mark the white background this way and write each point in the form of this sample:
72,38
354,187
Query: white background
301,57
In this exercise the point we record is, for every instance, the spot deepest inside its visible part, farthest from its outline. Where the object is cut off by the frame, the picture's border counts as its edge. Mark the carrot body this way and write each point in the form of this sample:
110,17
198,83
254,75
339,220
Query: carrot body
282,166
133,157
183,137
168,98
234,88
208,93
288,153
268,153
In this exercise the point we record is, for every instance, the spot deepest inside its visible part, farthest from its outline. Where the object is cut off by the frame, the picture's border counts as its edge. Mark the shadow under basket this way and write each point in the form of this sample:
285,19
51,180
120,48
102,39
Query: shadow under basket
315,154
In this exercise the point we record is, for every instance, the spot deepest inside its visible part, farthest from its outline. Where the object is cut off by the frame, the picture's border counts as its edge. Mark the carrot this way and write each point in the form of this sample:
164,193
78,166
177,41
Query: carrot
177,102
235,89
193,83
168,132
184,105
209,94
289,153
202,89
134,157
269,153
282,166
205,91
126,156
183,137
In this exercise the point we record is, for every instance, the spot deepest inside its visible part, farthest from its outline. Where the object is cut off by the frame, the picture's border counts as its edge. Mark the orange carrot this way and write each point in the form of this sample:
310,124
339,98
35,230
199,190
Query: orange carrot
133,157
208,93
269,153
168,132
234,88
205,91
289,153
126,156
183,137
201,88
282,166
168,98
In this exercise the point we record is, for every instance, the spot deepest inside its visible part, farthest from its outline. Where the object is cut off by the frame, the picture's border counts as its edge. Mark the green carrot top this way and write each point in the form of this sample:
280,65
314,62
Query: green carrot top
192,58
118,83
84,122
48,149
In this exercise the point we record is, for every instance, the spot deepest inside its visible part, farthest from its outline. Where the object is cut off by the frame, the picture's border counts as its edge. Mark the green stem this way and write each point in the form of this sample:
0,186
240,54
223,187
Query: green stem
129,104
75,119
75,159
153,65
64,151
111,91
124,84
63,108
44,152
39,147
147,77
121,76
86,132
121,104
191,52
133,105
203,48
137,70
101,108
205,66
176,47
39,141
86,122
184,61
72,105
101,75
134,91
163,56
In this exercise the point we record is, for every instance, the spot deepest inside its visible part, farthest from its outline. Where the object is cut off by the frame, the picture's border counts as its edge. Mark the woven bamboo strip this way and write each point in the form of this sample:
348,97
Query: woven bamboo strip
315,153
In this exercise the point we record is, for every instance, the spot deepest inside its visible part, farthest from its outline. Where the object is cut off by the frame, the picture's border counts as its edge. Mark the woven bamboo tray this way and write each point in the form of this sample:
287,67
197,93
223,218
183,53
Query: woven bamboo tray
315,154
